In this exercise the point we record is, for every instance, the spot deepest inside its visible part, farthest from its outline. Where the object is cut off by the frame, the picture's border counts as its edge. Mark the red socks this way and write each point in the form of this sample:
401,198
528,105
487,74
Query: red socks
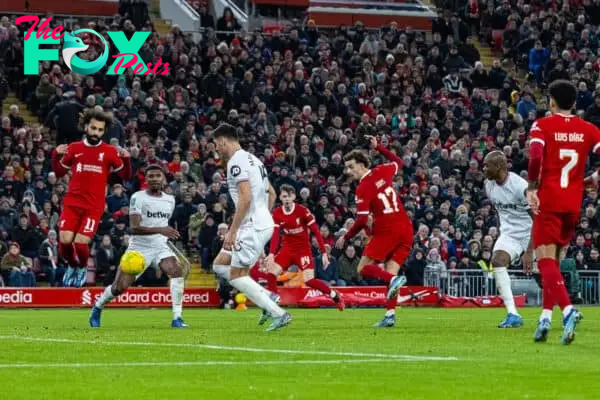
257,274
391,304
319,285
83,253
553,284
67,252
375,272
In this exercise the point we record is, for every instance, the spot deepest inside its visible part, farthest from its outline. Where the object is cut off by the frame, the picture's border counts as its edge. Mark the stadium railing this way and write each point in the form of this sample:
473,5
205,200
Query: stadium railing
584,286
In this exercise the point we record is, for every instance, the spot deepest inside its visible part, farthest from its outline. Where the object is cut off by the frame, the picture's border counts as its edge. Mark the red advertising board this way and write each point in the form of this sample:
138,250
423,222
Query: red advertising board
355,296
85,297
363,296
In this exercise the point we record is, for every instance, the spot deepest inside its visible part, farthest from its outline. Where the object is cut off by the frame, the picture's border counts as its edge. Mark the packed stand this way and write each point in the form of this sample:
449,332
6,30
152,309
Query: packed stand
300,100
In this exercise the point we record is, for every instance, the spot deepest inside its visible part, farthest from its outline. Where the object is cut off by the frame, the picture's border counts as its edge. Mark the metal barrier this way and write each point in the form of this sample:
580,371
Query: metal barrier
583,286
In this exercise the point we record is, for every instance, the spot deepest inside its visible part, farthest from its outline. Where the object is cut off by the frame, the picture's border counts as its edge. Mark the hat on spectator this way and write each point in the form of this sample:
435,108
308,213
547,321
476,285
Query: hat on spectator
14,244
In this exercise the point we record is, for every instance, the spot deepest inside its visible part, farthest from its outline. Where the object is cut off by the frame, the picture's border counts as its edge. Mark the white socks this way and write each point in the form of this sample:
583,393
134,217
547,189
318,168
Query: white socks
503,285
257,294
546,314
106,297
177,285
567,310
390,313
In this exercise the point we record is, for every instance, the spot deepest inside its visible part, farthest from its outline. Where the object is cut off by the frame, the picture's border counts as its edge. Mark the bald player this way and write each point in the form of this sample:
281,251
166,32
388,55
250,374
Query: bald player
507,192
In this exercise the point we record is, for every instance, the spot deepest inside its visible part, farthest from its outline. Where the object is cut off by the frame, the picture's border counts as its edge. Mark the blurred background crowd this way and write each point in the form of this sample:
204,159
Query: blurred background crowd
301,98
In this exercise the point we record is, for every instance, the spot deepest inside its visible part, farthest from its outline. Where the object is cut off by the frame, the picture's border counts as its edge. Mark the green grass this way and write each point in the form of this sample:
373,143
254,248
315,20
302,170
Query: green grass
68,360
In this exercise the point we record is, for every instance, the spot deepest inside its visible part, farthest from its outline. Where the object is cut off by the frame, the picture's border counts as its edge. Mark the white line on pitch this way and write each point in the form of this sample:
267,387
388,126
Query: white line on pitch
195,363
234,348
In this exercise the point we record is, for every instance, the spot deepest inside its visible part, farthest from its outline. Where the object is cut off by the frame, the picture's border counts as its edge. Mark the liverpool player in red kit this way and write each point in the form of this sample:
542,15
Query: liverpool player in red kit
293,222
392,231
559,149
90,162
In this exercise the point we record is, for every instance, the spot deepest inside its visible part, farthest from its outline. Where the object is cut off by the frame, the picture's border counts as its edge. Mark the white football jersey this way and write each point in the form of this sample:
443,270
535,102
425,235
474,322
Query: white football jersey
244,166
510,201
156,211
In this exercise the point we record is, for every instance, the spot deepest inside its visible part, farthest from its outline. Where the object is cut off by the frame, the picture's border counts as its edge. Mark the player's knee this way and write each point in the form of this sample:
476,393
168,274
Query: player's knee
66,237
500,260
236,272
308,274
81,239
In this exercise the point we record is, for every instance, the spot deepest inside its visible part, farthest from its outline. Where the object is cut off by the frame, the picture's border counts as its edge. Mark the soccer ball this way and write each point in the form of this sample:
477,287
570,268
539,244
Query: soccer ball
132,263
240,298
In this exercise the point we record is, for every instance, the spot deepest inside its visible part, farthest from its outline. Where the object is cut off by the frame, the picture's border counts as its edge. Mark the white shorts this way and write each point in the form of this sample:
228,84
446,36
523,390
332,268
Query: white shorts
152,255
515,248
249,245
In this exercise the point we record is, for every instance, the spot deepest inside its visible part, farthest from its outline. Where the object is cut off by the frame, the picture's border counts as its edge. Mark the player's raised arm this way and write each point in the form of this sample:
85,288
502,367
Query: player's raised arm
387,153
121,165
61,160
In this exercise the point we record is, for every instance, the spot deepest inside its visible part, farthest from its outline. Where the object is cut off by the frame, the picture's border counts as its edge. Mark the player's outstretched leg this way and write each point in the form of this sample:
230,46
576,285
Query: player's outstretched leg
121,283
323,287
374,271
500,261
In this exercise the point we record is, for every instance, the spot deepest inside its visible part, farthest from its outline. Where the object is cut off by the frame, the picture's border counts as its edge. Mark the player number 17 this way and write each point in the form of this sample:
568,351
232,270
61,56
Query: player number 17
573,158
389,200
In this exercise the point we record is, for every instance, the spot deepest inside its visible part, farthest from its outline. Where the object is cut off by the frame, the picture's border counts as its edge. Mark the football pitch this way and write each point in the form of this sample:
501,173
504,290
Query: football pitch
323,354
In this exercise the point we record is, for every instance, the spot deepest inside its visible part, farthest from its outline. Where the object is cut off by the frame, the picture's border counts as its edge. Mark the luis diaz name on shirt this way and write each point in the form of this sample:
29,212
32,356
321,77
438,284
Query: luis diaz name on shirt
569,137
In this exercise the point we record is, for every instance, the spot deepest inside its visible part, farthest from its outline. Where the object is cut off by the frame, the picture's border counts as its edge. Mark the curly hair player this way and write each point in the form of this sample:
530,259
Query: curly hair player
392,232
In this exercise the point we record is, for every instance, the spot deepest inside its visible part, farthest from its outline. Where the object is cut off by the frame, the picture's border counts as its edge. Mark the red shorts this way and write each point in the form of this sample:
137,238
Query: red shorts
390,246
554,228
81,221
302,258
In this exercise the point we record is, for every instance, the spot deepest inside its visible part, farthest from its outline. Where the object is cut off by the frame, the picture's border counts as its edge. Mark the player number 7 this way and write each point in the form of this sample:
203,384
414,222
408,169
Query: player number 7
389,200
573,157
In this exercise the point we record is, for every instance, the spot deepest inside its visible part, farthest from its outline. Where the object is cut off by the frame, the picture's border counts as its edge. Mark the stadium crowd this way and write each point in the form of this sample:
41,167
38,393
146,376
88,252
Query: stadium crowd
301,99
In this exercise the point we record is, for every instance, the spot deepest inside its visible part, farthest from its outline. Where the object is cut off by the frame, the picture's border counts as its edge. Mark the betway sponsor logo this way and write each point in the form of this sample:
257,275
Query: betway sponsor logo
158,214
156,298
18,297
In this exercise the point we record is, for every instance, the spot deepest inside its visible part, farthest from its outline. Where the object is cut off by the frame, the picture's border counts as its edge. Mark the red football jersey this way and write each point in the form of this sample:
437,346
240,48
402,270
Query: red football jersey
90,167
567,142
294,226
375,195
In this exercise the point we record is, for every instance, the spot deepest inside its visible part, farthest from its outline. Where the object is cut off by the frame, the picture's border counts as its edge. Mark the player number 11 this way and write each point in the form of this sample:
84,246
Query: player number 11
573,157
389,200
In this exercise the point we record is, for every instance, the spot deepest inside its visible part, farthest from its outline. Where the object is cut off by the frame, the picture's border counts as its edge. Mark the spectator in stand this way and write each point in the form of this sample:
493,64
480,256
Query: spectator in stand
49,263
347,268
117,198
16,268
107,260
28,237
